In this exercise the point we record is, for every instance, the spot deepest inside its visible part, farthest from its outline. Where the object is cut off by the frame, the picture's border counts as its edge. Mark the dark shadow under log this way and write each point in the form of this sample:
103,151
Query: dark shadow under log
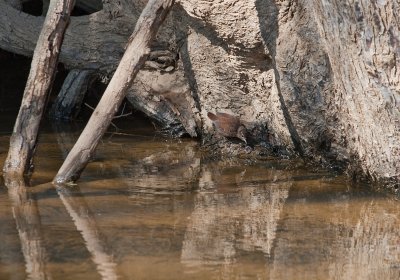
69,101
136,53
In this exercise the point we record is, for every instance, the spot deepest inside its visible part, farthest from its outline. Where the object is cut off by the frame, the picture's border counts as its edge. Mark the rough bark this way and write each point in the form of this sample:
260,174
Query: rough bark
96,42
138,49
325,100
44,62
16,4
167,99
69,100
317,76
91,42
362,43
341,85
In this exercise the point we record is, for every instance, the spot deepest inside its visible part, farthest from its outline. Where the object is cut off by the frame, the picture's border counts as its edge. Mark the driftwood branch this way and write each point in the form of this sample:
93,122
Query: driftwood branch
44,62
137,51
96,42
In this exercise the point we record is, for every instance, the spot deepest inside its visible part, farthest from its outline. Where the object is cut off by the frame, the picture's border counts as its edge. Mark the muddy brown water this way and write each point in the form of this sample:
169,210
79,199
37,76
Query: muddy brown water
152,208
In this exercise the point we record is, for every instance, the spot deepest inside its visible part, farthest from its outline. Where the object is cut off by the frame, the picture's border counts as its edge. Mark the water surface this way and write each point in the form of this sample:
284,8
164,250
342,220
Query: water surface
151,208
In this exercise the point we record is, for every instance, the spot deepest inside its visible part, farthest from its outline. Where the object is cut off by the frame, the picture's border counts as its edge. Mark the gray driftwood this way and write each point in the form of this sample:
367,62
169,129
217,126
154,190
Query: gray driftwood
137,51
321,75
44,62
96,42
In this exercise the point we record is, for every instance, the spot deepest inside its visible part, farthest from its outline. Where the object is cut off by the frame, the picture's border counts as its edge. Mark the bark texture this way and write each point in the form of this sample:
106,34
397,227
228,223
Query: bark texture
361,40
16,4
317,76
44,62
135,56
97,42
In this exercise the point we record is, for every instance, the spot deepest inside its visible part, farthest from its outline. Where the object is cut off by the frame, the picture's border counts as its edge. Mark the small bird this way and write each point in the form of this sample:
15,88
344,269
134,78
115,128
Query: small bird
228,125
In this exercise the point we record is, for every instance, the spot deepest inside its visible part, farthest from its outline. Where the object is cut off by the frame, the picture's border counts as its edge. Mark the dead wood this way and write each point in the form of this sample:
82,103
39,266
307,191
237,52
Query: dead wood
313,75
136,53
44,62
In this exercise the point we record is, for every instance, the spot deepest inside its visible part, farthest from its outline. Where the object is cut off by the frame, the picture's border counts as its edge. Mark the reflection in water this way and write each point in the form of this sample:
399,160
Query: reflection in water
236,217
26,214
66,134
174,169
165,211
370,249
337,234
27,218
86,225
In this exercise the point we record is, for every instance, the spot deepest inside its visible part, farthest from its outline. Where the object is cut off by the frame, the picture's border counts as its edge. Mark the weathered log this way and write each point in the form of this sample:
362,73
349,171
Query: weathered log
137,51
91,42
44,62
167,99
277,64
16,4
69,100
96,42
324,80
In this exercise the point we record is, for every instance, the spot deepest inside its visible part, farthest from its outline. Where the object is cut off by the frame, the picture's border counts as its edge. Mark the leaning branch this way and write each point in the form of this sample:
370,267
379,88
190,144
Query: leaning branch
137,51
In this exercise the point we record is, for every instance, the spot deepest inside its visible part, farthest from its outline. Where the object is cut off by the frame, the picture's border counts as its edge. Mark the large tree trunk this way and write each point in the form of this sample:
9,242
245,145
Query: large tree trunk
316,76
42,73
138,49
363,50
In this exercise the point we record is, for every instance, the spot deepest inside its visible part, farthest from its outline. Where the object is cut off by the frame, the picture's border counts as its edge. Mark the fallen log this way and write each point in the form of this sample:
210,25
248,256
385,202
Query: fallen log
96,43
137,51
280,66
44,62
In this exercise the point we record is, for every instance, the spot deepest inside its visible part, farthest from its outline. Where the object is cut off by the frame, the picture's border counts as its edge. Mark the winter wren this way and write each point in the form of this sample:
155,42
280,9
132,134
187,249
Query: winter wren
228,125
